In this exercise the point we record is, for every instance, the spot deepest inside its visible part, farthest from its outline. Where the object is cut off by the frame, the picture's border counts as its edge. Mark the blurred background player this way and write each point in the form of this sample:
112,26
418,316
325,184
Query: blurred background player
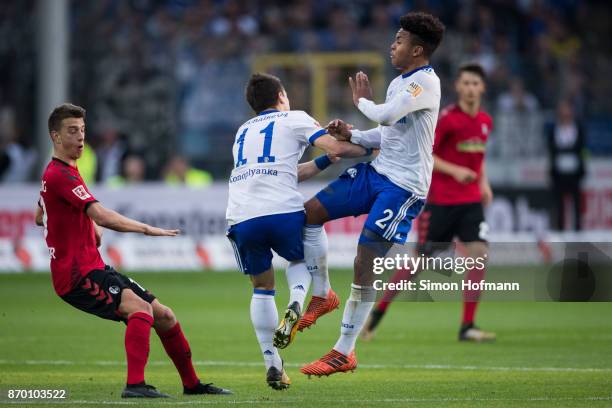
566,141
180,172
72,218
392,189
459,190
265,210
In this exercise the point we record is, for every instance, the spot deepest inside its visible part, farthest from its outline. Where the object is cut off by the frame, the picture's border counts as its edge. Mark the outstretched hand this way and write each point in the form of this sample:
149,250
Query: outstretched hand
340,130
360,87
159,232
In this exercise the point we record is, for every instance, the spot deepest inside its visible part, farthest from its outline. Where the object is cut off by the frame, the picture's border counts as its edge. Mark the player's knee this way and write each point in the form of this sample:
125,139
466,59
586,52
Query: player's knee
263,285
478,250
373,244
264,280
164,316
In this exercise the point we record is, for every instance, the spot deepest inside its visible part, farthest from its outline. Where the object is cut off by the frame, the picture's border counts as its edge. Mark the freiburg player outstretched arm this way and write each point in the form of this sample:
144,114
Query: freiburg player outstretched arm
110,219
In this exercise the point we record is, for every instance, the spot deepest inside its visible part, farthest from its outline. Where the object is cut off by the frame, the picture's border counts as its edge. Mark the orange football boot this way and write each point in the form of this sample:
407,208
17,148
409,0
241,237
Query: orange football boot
332,362
317,307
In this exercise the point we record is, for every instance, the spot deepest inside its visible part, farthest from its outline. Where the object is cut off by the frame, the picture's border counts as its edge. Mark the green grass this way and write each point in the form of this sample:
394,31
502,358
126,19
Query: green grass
547,354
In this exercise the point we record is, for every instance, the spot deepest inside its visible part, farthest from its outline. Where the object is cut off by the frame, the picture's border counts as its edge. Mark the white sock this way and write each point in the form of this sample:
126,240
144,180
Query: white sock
315,255
356,311
298,279
265,319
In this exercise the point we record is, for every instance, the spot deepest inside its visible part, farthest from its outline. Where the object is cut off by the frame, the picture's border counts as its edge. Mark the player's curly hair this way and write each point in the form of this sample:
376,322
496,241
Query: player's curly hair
427,30
262,91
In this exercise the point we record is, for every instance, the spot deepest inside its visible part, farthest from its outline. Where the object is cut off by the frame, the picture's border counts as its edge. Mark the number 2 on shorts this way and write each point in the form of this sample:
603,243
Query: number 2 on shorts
381,222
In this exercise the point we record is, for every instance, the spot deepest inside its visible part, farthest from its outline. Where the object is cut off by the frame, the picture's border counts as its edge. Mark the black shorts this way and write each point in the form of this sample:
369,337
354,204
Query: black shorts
99,293
439,224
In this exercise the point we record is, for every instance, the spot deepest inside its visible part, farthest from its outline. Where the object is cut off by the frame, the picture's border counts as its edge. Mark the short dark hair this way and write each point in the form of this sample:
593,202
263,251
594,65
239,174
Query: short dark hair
64,111
473,68
262,91
426,29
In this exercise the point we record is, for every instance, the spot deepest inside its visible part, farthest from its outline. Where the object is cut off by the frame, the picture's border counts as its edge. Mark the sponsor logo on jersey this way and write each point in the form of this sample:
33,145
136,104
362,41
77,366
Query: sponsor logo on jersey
114,290
80,192
352,172
473,145
414,89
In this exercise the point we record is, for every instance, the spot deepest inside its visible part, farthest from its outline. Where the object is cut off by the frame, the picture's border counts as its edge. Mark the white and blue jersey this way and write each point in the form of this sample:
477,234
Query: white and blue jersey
406,132
266,152
391,189
265,210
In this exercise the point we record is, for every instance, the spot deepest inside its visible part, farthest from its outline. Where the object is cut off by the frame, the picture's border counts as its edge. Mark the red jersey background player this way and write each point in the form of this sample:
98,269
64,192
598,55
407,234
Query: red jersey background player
459,190
72,218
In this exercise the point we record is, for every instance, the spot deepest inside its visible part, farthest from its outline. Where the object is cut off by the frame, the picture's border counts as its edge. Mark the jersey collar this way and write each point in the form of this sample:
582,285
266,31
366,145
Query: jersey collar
267,111
407,74
61,161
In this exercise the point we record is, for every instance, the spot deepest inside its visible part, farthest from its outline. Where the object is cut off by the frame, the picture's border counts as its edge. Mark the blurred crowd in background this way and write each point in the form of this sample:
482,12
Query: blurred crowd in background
163,80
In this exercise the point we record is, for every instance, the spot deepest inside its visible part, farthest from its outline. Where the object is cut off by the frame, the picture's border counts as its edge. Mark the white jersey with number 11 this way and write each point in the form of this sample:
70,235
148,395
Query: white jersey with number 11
266,153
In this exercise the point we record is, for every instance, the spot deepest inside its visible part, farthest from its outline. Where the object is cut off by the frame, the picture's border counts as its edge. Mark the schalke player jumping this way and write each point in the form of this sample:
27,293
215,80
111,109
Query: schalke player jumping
459,190
391,189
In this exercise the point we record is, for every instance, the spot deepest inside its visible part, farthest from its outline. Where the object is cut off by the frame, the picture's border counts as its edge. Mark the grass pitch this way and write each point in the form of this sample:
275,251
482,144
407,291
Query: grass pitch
547,354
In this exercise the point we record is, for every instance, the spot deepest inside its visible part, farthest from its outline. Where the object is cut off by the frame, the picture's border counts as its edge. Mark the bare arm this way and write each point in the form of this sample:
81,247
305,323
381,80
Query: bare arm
110,219
485,187
307,170
461,174
310,169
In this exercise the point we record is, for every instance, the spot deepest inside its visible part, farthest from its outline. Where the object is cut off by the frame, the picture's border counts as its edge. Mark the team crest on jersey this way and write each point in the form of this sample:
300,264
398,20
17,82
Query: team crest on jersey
485,129
352,172
114,290
414,89
80,192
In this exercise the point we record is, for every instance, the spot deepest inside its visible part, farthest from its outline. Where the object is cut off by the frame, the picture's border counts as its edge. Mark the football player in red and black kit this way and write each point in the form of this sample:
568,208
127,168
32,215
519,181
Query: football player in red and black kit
72,218
459,191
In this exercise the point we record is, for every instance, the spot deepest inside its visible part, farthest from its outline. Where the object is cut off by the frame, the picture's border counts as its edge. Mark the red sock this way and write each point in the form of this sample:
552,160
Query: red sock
469,311
472,297
137,337
178,350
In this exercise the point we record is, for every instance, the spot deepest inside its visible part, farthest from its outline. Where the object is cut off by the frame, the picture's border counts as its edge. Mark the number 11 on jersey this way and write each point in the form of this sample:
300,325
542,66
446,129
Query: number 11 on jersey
266,157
